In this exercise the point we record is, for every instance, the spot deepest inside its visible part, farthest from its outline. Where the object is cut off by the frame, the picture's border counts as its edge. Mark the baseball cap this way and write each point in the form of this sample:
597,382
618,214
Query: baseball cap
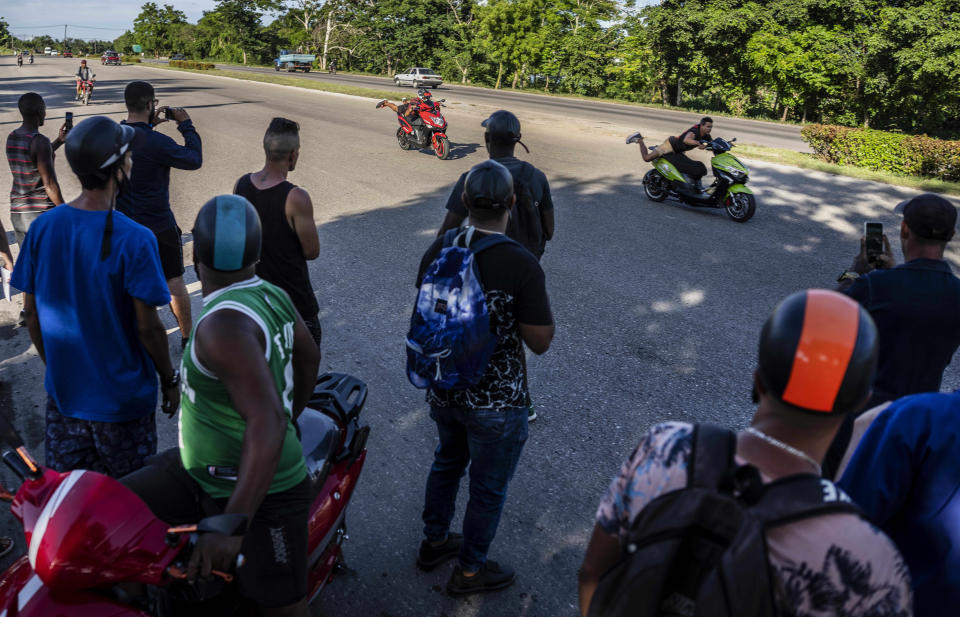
504,124
929,216
488,185
98,142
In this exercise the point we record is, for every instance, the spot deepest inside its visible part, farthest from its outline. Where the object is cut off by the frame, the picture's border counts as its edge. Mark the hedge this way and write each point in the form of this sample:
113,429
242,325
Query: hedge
913,155
191,64
130,59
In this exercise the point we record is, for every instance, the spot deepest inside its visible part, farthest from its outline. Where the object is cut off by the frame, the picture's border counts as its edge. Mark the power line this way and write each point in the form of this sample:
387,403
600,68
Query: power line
45,27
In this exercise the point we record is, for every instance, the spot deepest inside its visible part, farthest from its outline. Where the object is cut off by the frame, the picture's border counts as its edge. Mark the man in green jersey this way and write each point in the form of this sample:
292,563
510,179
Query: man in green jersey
247,372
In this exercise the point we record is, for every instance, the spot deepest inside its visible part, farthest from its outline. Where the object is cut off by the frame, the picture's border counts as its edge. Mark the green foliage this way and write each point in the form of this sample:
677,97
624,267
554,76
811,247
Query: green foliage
916,155
130,59
878,63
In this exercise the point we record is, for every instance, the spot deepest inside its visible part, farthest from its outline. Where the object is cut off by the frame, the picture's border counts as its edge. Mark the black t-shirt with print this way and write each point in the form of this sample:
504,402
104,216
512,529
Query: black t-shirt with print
515,290
540,188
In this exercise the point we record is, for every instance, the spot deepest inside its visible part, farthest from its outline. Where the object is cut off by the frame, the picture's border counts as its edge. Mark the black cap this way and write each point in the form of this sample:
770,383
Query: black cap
929,216
97,143
488,185
503,123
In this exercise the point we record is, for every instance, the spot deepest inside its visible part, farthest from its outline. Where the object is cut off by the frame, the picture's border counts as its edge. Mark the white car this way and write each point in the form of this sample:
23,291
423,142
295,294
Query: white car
418,77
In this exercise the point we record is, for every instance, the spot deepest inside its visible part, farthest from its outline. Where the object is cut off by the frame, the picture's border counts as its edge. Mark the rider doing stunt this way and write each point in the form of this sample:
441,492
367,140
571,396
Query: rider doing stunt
249,369
407,109
673,149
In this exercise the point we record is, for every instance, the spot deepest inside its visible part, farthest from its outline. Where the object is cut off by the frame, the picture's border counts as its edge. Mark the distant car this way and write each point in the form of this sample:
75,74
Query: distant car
418,77
110,57
68,54
54,53
178,57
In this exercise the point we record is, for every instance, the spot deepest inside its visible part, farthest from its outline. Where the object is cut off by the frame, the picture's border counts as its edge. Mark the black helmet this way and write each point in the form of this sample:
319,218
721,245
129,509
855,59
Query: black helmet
488,185
818,352
97,143
226,234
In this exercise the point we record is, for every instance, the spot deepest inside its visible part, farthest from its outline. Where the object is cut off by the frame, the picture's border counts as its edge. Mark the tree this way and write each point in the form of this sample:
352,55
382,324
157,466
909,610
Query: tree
242,20
154,27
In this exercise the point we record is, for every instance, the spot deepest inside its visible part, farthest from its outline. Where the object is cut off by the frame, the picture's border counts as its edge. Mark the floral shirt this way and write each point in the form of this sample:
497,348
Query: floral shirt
835,565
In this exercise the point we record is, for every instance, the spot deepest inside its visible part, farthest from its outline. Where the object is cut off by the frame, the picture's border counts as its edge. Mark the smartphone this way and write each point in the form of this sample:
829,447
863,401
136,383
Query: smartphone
69,120
873,235
168,113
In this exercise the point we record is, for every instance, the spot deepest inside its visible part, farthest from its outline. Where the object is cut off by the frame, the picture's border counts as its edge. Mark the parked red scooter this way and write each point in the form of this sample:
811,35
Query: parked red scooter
435,135
96,550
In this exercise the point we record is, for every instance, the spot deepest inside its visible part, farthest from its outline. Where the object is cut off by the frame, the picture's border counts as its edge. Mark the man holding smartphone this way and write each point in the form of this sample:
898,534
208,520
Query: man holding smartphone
147,197
30,154
914,304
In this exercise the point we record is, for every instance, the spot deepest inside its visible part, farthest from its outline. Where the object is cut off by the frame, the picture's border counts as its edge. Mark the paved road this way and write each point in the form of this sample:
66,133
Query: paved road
658,308
655,122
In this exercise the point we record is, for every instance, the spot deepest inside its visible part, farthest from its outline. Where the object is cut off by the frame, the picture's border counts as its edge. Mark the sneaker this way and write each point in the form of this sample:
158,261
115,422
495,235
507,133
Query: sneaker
531,414
634,137
429,556
491,577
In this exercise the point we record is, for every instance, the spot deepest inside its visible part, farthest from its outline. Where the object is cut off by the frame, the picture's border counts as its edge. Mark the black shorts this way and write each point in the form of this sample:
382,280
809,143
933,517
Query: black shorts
171,252
274,573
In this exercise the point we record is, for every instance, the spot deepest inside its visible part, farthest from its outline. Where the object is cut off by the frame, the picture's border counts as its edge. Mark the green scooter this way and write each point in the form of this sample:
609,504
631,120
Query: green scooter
728,191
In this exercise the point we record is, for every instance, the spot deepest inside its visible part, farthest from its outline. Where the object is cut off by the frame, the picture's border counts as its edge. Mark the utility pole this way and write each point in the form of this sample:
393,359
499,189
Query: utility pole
64,37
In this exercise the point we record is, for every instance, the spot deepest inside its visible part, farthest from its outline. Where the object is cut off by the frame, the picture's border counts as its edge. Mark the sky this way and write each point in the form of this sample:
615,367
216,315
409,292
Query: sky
85,19
91,19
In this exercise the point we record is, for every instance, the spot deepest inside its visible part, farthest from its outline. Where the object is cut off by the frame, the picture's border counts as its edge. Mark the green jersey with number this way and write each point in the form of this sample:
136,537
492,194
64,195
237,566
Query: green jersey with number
211,430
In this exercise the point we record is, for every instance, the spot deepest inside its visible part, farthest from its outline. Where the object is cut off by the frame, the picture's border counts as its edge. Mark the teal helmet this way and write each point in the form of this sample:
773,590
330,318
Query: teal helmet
226,234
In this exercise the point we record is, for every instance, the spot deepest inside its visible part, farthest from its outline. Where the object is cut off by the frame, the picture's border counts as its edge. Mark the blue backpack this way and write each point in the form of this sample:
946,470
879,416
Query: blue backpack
450,341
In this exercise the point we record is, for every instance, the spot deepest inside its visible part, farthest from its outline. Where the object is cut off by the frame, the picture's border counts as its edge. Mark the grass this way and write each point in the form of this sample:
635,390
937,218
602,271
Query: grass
288,80
808,161
747,151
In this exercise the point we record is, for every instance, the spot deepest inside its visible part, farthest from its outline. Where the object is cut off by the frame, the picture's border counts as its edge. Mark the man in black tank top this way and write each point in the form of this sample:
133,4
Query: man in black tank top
286,217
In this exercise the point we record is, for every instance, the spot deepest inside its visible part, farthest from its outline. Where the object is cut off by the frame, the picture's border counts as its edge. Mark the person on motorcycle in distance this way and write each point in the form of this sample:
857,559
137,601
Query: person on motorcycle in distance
19,59
249,369
83,74
674,147
409,109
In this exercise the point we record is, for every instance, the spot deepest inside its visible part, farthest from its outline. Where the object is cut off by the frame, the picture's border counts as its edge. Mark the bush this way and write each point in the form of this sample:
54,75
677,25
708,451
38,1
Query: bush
130,59
192,64
913,155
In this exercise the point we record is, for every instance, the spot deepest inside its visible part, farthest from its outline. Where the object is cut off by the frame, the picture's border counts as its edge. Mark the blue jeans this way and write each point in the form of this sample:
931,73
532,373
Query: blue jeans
491,443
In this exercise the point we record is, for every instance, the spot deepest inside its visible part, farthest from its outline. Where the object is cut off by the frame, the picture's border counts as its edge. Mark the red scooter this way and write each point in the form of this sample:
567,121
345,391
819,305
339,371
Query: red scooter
96,550
434,136
85,89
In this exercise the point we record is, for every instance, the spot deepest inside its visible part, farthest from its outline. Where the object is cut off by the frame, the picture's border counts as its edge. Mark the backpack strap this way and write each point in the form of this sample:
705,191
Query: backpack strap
450,237
801,496
712,455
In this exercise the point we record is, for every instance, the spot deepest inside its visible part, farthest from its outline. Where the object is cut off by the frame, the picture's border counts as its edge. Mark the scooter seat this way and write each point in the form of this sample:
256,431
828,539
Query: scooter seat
320,438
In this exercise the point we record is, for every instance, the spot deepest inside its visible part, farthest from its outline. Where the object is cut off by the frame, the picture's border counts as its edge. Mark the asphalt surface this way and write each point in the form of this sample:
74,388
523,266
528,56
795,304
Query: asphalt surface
658,307
657,122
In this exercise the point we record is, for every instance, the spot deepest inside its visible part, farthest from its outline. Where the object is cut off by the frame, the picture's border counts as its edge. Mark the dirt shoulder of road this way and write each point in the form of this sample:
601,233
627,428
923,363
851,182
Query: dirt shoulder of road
747,151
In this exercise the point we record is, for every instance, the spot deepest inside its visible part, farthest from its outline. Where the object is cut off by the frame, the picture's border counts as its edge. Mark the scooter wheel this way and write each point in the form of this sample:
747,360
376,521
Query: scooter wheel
655,186
442,149
402,140
740,206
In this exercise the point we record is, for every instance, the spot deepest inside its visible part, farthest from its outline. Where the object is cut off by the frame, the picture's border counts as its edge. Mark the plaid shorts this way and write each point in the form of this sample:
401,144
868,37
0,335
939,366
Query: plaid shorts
112,448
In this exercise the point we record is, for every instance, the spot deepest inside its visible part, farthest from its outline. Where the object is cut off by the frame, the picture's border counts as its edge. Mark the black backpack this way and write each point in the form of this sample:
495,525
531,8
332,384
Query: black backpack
702,550
526,226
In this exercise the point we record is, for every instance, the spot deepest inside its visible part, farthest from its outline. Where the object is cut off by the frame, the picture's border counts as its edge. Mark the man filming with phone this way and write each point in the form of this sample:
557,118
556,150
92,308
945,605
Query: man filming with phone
147,198
914,304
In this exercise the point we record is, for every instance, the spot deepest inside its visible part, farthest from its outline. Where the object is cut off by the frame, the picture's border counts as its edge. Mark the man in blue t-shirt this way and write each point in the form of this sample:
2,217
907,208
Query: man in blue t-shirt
905,474
94,320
